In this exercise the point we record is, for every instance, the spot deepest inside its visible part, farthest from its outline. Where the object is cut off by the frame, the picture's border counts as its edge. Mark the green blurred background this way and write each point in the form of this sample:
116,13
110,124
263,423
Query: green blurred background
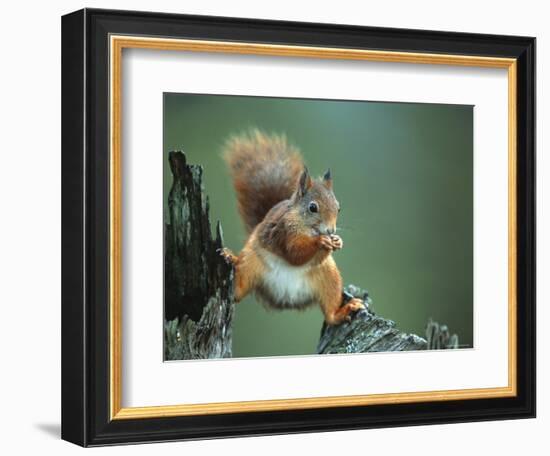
403,174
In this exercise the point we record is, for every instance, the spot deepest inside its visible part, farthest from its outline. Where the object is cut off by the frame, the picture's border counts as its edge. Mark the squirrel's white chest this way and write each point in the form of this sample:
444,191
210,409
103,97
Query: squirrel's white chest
286,285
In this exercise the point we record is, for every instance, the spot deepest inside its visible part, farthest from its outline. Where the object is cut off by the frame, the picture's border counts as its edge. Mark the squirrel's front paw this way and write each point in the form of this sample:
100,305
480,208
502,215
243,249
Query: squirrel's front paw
325,242
337,242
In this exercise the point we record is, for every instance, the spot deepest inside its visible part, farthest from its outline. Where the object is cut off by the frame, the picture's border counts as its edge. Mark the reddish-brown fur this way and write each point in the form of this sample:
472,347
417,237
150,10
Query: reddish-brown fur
274,197
265,169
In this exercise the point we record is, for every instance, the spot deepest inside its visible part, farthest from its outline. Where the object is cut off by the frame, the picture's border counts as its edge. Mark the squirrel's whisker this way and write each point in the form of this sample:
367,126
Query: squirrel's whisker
344,228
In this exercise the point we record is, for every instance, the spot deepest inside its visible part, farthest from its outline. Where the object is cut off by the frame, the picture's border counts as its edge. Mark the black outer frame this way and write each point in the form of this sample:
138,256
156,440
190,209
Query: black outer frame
85,227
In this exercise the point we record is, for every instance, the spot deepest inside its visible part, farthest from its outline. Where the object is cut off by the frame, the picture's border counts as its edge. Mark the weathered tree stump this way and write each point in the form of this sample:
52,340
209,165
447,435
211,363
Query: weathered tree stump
366,332
199,303
198,300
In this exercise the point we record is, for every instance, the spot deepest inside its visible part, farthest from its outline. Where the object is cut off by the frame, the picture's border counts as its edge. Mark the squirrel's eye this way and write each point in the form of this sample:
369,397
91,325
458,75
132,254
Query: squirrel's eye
313,207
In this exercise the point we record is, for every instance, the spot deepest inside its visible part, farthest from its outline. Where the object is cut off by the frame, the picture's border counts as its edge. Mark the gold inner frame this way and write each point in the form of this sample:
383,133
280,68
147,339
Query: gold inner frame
117,44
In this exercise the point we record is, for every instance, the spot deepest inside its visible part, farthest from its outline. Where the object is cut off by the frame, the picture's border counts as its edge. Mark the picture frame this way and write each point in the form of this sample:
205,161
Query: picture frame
92,366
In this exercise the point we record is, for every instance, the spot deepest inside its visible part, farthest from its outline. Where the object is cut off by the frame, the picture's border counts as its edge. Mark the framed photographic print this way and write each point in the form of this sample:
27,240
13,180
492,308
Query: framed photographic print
278,227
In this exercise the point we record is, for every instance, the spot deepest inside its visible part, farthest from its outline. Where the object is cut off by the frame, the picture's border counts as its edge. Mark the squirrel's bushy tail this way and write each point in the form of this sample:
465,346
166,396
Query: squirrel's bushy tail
265,170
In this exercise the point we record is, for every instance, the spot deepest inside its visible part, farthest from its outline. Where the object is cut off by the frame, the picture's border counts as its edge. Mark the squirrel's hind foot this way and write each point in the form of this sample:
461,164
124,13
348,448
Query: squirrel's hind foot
344,313
353,305
227,255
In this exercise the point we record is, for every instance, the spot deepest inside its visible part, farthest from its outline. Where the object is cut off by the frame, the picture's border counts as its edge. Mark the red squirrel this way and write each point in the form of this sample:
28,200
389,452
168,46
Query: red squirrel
291,223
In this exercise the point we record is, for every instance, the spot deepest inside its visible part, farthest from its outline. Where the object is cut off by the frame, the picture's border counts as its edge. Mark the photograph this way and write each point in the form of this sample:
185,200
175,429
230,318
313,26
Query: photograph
298,227
290,224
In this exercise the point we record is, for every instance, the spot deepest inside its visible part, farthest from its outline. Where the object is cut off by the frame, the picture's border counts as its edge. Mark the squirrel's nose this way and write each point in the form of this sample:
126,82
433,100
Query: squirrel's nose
331,231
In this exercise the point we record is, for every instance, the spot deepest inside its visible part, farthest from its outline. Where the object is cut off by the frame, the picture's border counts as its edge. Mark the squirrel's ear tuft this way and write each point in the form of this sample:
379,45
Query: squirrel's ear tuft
327,179
305,182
